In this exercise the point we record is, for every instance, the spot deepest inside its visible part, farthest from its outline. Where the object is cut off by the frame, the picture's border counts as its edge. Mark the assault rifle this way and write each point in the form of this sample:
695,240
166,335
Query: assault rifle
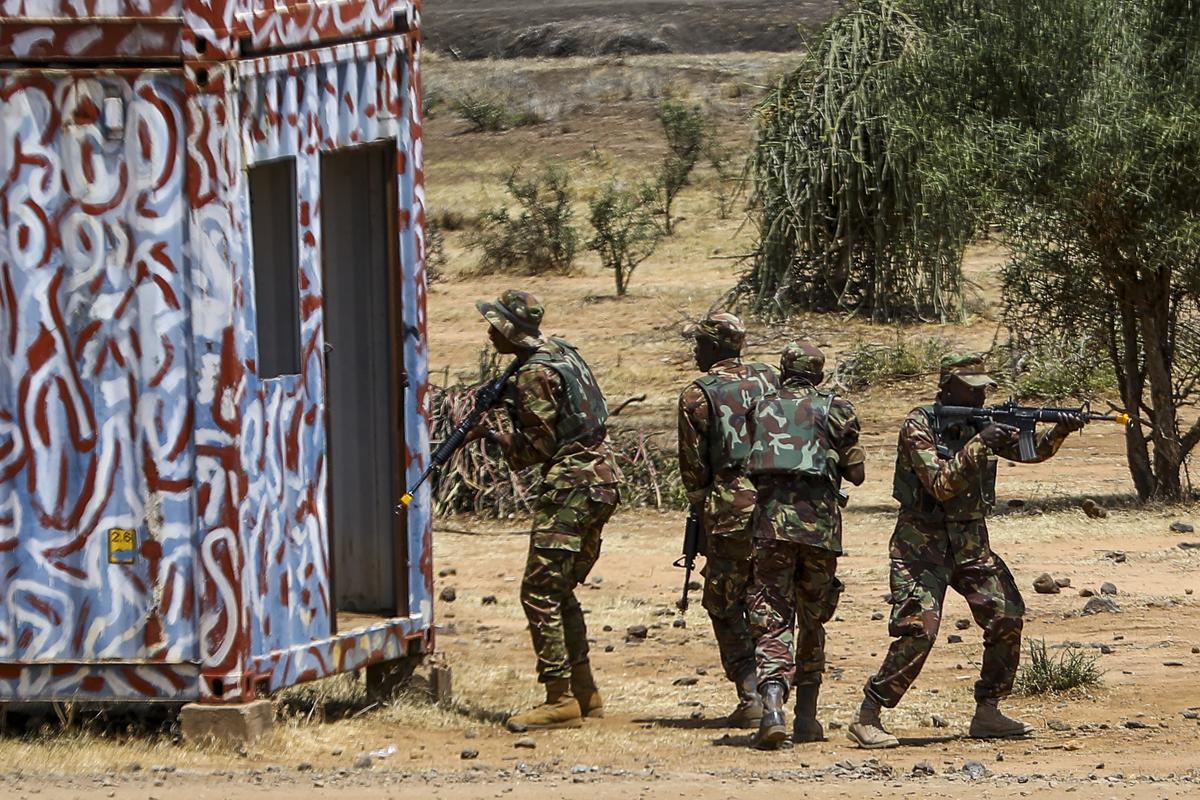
486,399
1024,419
693,543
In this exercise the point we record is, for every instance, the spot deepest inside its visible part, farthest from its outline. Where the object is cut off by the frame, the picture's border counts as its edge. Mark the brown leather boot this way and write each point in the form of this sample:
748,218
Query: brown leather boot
583,686
560,710
749,711
806,727
990,723
867,730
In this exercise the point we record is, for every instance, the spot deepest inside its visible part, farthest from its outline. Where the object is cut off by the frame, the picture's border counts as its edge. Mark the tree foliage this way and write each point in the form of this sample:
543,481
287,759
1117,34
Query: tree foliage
625,230
541,236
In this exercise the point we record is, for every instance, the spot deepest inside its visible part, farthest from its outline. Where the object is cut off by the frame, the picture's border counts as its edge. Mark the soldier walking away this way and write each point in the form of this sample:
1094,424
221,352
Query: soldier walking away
945,482
712,449
558,415
804,441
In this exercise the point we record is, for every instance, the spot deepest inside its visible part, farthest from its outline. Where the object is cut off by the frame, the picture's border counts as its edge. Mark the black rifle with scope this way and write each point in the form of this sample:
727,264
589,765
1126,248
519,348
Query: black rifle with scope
1023,419
486,399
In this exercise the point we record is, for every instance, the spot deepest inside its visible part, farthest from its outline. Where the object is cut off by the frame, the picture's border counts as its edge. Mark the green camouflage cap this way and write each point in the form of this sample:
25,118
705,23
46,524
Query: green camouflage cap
802,358
721,327
967,367
517,315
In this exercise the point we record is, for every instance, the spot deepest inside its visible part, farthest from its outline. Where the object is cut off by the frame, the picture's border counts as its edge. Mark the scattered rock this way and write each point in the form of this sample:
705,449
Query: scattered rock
954,638
1195,650
1189,545
608,648
962,624
471,734
834,726
468,753
1100,605
525,742
686,680
1189,714
939,722
447,572
1108,588
1188,591
1094,509
516,727
679,622
637,631
1107,649
923,769
304,766
607,628
448,595
1117,556
1182,527
975,770
1172,663
337,751
1136,725
579,769
694,586
1086,593
488,600
362,761
1016,502
878,615
1045,584
596,580
1058,725
1063,583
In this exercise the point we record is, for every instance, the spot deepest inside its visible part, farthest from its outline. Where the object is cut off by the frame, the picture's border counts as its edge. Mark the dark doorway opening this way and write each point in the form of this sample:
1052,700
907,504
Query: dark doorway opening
363,391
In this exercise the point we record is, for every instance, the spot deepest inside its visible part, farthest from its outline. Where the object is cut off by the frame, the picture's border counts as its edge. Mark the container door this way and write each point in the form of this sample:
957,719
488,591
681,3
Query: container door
363,381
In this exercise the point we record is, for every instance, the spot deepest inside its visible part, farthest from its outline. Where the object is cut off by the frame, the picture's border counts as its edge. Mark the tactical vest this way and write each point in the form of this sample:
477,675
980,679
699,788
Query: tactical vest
972,503
792,435
583,416
730,400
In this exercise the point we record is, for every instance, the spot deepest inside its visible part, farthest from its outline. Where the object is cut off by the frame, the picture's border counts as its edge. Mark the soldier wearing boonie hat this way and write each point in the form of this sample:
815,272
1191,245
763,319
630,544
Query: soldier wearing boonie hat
945,481
712,448
559,416
804,443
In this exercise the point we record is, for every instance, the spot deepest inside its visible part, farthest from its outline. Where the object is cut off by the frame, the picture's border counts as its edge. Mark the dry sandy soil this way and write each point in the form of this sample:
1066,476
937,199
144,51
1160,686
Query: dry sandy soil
484,28
665,740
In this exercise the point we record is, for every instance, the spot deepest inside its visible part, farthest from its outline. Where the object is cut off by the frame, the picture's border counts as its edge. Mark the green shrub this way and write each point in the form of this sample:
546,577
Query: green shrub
625,231
541,236
686,130
492,113
869,363
1042,673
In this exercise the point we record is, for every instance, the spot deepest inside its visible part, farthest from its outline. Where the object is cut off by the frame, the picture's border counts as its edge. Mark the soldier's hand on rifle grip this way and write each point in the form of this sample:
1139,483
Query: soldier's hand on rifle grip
997,436
480,431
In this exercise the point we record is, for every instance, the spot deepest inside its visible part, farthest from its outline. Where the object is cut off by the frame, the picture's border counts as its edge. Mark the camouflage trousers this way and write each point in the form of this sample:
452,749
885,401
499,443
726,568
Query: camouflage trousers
726,583
554,567
793,592
918,591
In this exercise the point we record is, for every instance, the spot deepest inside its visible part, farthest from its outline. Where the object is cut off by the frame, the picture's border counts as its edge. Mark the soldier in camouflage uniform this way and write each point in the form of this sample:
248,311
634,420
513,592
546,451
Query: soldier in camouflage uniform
804,442
945,482
712,447
558,414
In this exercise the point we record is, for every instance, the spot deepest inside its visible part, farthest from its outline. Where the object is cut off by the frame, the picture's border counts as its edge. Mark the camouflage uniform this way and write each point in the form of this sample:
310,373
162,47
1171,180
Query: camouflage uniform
558,414
797,524
712,413
946,484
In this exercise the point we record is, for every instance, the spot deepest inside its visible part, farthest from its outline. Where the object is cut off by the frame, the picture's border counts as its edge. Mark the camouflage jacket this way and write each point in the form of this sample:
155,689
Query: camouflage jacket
945,482
801,509
726,494
547,430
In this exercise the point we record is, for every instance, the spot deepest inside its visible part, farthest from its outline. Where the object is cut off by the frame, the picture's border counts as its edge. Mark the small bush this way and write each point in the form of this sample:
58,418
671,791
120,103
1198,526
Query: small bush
686,130
1073,668
625,231
492,113
869,363
435,251
541,237
1052,370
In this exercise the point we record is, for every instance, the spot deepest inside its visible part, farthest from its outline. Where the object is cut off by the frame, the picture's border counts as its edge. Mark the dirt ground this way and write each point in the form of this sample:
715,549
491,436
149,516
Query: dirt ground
1135,736
483,28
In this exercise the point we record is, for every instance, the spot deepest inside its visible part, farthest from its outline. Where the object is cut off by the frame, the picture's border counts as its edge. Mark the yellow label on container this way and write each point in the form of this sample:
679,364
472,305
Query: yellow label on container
122,545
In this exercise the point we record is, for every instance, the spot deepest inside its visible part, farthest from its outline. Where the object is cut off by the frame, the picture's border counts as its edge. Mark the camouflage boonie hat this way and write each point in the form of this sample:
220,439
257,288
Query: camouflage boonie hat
967,367
721,327
517,315
802,358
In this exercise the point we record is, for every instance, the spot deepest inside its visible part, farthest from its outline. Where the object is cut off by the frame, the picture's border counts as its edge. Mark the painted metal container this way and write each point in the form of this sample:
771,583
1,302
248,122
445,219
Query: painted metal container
164,514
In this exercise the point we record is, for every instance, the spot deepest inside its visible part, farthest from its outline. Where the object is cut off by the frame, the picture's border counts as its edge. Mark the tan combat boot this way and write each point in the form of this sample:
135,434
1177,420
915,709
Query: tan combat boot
583,686
990,723
560,710
867,730
749,711
806,727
